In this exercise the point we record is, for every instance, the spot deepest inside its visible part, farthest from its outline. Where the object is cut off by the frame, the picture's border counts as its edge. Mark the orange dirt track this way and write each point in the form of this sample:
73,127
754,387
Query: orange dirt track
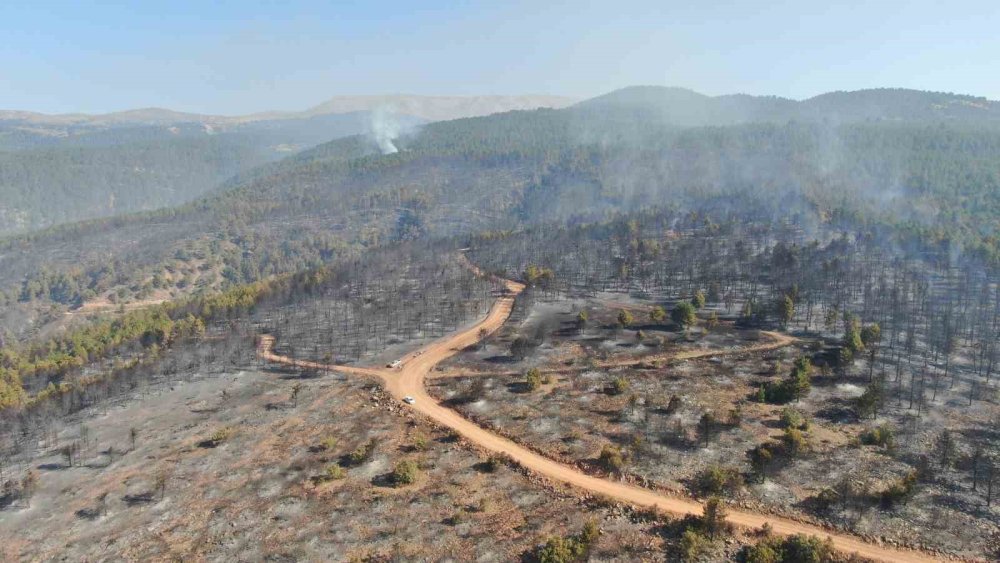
408,380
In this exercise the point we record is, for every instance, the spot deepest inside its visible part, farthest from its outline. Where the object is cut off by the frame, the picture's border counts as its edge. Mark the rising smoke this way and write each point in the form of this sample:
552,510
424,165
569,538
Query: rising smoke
385,129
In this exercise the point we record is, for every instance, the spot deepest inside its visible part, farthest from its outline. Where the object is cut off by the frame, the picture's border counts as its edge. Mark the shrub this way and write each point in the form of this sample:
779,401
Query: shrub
533,379
713,519
219,436
799,548
698,300
900,491
611,459
363,453
693,545
764,552
619,385
328,443
331,473
882,435
716,480
405,473
793,418
795,442
420,442
657,314
567,550
491,464
792,388
625,318
683,315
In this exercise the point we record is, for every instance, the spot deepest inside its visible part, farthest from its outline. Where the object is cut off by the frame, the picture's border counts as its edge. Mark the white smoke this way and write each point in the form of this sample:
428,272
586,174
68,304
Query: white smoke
385,129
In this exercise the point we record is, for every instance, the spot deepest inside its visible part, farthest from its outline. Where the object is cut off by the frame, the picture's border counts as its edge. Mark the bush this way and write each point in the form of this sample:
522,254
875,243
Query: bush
899,491
684,314
713,519
533,379
405,473
793,418
716,480
882,435
328,443
491,464
611,459
420,443
799,548
332,473
363,453
567,550
219,436
693,545
625,318
619,385
792,388
795,442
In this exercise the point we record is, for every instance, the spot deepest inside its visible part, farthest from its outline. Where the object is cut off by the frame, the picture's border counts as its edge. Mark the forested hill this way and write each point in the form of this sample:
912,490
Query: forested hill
62,168
687,108
930,184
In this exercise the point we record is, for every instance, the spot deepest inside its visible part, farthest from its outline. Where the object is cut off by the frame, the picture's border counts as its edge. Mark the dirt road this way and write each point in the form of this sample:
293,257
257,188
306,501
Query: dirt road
775,342
408,380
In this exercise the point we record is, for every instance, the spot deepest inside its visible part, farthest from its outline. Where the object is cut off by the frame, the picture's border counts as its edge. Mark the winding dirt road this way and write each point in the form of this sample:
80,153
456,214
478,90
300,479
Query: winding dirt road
408,380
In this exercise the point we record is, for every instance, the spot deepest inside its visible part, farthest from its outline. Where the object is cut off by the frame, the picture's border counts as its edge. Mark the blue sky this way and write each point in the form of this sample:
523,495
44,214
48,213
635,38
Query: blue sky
234,57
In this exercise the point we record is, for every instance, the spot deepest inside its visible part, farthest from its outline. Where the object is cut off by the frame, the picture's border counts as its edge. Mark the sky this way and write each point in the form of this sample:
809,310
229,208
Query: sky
235,57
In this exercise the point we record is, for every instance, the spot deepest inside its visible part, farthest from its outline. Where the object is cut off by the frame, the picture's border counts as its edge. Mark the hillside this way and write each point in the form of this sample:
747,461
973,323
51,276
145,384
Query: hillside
56,169
930,185
683,107
682,303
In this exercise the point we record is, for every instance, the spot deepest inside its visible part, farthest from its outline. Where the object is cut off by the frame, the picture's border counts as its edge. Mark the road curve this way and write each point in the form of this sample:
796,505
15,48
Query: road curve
408,380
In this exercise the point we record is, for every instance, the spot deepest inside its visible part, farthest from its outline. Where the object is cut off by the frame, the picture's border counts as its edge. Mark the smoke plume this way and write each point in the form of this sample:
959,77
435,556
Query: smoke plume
385,128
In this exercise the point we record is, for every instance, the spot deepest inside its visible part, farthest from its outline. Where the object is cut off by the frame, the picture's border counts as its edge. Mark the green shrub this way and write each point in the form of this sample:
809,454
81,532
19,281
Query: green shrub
625,318
405,473
619,385
363,453
793,418
882,435
693,545
332,473
799,548
900,491
328,444
795,442
533,379
611,459
716,480
567,550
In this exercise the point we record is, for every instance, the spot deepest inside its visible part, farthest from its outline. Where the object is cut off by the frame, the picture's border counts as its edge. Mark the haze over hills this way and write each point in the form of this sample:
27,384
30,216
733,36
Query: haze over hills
101,165
427,108
934,173
684,107
807,226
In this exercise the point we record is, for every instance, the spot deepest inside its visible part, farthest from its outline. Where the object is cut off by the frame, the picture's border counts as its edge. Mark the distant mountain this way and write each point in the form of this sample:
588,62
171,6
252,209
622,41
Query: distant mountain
439,108
917,161
686,108
63,168
427,108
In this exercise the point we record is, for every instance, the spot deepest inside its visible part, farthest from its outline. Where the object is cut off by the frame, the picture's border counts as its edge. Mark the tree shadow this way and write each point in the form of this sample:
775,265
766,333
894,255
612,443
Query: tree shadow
505,359
88,513
53,466
519,387
139,499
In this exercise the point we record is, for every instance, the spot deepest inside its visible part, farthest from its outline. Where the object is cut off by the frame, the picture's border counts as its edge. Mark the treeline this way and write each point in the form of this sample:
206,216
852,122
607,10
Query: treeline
930,187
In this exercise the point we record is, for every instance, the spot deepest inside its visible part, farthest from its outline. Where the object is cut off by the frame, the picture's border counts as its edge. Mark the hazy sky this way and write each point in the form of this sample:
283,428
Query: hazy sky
243,56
